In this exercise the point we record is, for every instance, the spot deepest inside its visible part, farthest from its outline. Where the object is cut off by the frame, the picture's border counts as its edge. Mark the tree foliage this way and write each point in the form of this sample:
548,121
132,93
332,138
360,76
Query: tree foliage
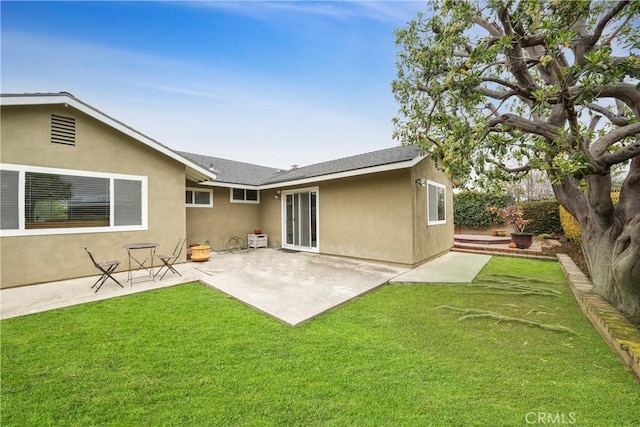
521,94
495,89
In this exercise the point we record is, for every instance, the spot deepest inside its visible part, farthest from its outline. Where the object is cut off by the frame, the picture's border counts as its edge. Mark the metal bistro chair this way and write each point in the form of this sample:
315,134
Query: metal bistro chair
106,268
169,259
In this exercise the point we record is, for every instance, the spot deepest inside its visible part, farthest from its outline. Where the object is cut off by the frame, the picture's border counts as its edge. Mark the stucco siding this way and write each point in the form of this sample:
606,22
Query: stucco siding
430,240
222,221
271,216
25,138
367,217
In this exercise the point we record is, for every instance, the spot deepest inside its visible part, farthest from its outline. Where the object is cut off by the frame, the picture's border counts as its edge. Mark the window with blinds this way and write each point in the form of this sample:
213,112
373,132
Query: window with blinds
9,203
41,199
127,202
63,201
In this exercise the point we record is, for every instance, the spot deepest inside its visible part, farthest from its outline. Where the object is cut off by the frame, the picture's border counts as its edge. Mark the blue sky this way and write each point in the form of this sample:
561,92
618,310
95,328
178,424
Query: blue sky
272,83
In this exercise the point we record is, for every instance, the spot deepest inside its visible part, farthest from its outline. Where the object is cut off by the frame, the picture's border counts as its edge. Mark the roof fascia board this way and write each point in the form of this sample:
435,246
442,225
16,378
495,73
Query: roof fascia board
100,116
230,185
357,172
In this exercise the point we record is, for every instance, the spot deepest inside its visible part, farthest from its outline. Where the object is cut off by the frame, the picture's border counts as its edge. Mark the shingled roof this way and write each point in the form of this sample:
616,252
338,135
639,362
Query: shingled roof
233,172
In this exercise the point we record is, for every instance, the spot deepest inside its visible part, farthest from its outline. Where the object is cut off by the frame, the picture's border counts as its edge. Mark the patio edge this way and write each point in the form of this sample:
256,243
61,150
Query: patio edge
616,330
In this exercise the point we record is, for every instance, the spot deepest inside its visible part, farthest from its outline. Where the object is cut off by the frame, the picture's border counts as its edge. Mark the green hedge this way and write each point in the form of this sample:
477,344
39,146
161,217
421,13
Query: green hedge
544,216
470,208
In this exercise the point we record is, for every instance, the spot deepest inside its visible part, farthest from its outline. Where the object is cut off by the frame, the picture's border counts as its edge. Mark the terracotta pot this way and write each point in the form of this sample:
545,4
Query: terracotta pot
200,253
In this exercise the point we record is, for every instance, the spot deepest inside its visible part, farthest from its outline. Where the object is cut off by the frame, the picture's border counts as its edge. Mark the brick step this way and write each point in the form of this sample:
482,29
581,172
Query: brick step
520,253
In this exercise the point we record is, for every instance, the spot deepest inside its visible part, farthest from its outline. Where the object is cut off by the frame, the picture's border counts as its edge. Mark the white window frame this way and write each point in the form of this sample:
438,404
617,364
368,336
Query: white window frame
23,231
232,200
199,190
444,188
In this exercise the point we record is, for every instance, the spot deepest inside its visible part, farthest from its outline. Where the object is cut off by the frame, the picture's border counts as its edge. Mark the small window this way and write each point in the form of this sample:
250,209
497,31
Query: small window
436,203
199,198
243,195
252,195
63,130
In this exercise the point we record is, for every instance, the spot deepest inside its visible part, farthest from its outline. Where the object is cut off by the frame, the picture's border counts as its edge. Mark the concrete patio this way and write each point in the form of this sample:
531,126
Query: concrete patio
292,287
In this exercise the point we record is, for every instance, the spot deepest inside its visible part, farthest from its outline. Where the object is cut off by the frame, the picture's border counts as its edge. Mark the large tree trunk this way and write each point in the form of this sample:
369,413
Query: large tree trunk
610,236
613,259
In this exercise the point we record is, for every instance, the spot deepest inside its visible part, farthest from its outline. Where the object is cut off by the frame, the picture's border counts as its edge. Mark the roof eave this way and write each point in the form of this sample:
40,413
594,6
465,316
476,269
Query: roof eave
230,185
406,164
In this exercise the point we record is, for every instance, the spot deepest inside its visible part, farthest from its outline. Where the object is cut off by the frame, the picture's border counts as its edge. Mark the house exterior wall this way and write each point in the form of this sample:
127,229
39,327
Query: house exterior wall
430,240
366,216
222,221
271,216
381,216
25,138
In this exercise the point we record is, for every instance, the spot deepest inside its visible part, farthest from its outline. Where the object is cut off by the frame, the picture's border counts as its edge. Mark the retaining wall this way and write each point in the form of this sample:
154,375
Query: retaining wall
620,334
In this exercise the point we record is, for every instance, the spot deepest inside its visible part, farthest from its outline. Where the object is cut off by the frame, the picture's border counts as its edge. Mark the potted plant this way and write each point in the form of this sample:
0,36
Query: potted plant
513,214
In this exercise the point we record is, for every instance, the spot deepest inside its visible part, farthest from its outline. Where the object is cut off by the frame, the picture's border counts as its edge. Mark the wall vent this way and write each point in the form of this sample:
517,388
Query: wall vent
63,130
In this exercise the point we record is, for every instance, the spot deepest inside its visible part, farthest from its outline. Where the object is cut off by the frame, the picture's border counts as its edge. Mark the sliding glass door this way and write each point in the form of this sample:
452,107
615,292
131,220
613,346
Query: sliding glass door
300,213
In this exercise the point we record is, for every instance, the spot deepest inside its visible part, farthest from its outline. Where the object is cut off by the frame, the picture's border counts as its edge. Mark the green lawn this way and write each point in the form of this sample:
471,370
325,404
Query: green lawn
189,355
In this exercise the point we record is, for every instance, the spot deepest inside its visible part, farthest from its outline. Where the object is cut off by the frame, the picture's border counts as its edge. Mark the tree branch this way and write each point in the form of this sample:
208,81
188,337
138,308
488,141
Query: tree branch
622,155
534,127
597,33
592,127
514,54
495,94
513,86
613,118
613,35
491,28
523,168
493,109
599,147
625,92
533,40
594,123
569,195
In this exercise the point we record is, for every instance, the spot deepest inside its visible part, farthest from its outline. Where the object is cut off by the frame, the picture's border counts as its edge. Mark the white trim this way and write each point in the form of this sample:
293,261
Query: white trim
444,188
251,202
283,215
23,231
200,190
407,164
70,101
337,175
229,185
